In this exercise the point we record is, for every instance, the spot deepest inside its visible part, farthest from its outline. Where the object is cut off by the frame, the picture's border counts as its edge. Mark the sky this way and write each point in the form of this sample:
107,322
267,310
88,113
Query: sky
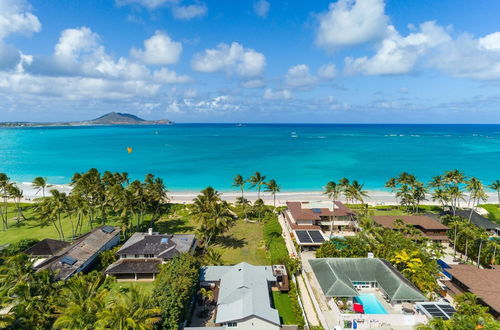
345,61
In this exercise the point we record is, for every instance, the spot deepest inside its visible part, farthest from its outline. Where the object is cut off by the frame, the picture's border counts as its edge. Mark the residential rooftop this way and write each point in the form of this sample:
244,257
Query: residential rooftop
45,248
314,211
243,292
484,283
77,256
336,276
422,221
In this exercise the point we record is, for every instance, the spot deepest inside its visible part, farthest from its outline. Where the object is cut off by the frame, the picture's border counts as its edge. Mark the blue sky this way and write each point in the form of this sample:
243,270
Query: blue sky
358,61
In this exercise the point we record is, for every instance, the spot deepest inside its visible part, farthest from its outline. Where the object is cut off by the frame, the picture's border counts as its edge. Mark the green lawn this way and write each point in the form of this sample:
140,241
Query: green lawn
31,228
144,286
493,211
284,306
243,242
393,210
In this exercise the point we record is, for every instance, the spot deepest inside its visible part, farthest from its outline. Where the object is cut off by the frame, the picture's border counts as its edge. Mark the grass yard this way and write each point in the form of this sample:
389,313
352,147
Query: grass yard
493,211
147,287
284,306
393,210
243,242
32,229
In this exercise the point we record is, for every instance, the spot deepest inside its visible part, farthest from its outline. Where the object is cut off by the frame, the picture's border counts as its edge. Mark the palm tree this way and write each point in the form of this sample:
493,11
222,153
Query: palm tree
212,214
40,183
206,295
357,191
333,191
4,183
257,181
476,189
392,184
212,258
79,302
273,187
495,185
239,182
16,193
344,185
455,223
131,310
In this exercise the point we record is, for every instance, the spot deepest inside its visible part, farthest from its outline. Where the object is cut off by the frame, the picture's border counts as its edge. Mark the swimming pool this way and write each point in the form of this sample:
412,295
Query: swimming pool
370,303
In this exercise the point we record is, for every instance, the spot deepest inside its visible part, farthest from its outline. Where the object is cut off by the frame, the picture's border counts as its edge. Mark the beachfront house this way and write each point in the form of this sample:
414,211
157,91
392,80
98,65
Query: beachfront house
484,283
366,290
45,249
320,216
242,295
493,229
82,253
430,228
143,253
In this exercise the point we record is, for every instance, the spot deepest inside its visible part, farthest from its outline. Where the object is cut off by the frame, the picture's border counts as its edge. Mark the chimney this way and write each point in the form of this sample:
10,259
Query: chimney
370,255
150,231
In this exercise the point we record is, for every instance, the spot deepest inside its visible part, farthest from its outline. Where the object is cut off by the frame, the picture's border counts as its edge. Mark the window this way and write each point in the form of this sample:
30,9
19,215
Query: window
124,256
149,256
232,324
137,256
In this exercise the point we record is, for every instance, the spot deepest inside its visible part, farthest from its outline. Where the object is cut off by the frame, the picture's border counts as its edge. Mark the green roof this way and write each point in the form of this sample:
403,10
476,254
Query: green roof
335,276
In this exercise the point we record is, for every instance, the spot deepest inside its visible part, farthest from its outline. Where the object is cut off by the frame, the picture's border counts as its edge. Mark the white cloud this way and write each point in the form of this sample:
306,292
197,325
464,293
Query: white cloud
351,22
327,71
75,42
491,41
397,54
232,59
284,94
189,12
218,103
150,4
468,57
299,76
167,76
16,18
74,88
261,8
160,49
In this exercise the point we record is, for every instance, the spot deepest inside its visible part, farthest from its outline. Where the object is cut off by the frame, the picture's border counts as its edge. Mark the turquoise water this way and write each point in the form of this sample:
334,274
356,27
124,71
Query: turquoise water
299,157
370,303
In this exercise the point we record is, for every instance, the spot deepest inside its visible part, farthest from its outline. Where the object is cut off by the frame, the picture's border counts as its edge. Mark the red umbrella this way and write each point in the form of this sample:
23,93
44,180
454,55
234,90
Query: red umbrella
358,308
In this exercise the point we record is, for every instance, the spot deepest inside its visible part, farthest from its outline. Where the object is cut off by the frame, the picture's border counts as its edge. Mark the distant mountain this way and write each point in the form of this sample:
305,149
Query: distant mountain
117,118
112,118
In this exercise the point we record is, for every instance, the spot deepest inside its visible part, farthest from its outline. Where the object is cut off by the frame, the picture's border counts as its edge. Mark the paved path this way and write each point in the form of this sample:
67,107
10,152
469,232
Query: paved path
307,304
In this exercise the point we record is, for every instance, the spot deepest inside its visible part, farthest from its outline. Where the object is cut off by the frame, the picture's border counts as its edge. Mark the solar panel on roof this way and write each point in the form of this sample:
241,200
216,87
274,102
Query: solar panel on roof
316,236
68,260
303,236
315,210
108,229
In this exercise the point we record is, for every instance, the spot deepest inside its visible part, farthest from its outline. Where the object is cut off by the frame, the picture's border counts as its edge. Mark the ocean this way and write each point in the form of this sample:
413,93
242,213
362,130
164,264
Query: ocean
301,157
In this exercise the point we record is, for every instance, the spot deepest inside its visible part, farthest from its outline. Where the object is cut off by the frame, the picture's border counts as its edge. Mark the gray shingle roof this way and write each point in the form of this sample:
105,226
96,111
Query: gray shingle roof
46,247
83,249
335,277
131,266
243,292
478,220
164,246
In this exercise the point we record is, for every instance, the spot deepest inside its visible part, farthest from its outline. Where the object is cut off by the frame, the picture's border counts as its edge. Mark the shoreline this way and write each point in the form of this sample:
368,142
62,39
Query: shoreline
375,197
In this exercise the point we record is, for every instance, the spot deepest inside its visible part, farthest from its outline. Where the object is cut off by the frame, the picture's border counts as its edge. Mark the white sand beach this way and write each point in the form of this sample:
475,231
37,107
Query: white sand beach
375,197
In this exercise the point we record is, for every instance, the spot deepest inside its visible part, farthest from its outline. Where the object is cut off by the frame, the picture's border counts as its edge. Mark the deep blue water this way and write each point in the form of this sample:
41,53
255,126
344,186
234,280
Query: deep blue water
300,157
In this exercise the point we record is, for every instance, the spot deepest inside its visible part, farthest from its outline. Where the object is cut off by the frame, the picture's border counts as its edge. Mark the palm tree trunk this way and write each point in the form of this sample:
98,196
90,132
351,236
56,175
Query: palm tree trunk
479,254
60,225
57,229
455,241
274,200
466,248
72,227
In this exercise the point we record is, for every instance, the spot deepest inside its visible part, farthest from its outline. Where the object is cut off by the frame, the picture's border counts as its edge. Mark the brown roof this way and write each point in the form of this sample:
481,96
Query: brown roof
300,213
422,221
485,283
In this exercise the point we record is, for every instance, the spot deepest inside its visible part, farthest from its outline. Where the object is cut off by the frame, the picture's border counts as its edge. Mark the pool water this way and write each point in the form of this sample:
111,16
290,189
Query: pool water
370,303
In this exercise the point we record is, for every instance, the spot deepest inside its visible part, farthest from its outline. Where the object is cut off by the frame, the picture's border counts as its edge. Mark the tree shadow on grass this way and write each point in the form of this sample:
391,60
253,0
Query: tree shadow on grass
173,226
231,242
